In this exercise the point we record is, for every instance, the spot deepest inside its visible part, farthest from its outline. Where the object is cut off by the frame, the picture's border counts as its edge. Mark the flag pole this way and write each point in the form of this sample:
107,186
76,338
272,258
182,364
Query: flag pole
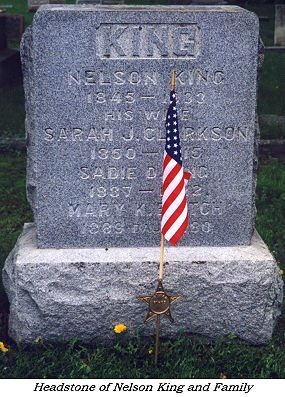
172,88
161,258
172,85
157,339
159,302
157,332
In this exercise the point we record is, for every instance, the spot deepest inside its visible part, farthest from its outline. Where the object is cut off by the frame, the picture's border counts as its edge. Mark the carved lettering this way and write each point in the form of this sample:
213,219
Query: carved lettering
110,37
127,41
152,39
103,78
109,191
100,172
103,227
216,133
151,172
186,42
115,153
77,134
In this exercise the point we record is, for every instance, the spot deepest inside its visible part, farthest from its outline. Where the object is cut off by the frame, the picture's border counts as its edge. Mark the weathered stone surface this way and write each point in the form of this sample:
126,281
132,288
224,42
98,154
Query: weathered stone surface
97,94
58,294
279,32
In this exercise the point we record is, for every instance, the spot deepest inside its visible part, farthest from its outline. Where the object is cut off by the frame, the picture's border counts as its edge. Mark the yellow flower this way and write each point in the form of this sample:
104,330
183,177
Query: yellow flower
3,348
281,272
150,351
120,328
38,340
84,365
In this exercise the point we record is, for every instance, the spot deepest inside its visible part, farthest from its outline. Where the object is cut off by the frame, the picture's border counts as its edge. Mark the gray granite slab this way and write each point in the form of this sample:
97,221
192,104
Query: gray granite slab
60,294
97,86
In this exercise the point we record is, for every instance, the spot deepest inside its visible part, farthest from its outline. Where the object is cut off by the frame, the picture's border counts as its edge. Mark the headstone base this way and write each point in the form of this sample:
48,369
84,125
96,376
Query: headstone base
60,294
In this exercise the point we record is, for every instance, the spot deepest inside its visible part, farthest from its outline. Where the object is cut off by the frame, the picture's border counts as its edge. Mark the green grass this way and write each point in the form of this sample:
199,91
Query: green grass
12,102
273,130
184,357
14,209
270,202
271,94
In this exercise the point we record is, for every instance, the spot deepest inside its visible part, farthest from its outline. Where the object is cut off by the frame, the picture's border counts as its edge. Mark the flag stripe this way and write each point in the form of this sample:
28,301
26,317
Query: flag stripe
174,228
170,184
174,240
178,191
175,174
175,214
168,167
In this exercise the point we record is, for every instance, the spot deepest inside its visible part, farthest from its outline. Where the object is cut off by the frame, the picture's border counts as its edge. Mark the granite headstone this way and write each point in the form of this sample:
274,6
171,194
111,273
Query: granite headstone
97,86
279,32
102,105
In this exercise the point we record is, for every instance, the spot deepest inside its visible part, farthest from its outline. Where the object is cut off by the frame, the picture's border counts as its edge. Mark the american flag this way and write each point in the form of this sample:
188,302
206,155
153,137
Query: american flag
174,217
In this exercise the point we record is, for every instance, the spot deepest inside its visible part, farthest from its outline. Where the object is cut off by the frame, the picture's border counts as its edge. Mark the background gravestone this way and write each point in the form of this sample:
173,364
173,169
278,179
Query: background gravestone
10,65
279,32
97,87
14,26
33,5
